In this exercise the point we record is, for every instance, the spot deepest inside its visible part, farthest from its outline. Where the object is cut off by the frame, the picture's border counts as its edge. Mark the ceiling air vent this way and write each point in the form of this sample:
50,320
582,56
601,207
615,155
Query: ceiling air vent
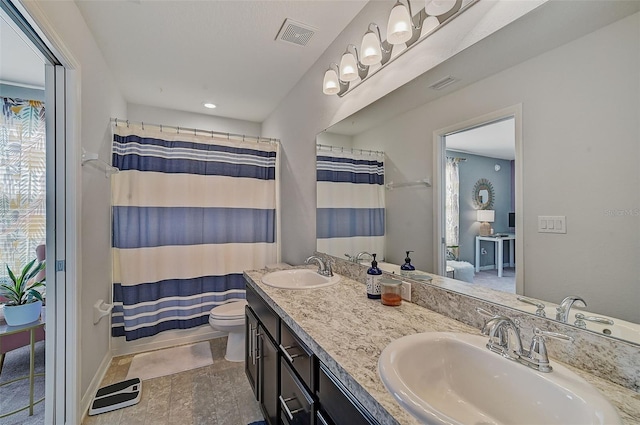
444,82
295,32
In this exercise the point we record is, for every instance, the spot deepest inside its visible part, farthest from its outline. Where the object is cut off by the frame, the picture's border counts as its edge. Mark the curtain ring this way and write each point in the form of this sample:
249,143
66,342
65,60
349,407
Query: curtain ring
116,122
178,127
212,134
142,122
243,137
127,123
160,128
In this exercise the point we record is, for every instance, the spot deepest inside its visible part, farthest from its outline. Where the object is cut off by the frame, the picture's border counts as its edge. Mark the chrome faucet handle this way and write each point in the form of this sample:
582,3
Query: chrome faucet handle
350,258
580,320
540,307
537,356
486,313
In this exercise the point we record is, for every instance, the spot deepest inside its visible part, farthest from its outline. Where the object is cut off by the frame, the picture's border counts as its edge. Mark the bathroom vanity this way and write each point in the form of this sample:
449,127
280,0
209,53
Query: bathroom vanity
313,354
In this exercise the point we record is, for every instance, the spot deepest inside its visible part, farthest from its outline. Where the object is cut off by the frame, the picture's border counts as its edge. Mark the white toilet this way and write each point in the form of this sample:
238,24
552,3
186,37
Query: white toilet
230,318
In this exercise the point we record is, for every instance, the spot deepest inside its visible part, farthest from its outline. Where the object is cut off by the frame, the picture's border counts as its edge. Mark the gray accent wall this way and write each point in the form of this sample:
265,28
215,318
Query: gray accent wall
470,171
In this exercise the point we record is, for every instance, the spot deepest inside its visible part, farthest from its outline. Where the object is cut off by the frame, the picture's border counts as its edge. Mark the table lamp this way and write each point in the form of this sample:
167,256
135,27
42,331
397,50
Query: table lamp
485,217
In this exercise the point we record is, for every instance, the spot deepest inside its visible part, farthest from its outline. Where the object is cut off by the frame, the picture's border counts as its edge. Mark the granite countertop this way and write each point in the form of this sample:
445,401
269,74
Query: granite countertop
347,332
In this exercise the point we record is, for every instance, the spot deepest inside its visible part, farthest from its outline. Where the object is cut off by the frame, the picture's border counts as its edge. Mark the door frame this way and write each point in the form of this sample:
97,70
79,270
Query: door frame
62,96
439,161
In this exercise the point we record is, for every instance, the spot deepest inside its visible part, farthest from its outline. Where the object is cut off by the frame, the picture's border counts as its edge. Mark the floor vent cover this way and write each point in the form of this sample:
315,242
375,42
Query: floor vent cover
295,33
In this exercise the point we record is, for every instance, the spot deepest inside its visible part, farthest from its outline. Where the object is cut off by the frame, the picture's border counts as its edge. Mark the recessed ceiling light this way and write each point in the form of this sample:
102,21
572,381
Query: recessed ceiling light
209,105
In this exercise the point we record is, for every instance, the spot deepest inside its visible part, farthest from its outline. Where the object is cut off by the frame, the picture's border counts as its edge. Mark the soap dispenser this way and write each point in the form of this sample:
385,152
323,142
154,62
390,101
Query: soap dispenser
407,268
373,280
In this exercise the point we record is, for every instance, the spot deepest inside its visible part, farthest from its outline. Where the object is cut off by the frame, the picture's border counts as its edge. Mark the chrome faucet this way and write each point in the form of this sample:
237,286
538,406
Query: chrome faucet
504,339
539,306
562,312
323,268
362,254
358,257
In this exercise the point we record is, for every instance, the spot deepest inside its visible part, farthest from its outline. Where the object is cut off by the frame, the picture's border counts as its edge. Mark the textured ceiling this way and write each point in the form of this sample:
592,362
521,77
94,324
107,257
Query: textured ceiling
178,54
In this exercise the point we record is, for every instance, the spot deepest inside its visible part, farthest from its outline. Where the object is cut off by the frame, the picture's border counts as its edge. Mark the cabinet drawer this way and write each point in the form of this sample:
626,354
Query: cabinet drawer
264,313
338,403
297,354
296,404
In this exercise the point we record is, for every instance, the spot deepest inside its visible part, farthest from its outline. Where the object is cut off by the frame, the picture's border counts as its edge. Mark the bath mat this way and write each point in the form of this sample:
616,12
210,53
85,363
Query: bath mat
170,360
258,423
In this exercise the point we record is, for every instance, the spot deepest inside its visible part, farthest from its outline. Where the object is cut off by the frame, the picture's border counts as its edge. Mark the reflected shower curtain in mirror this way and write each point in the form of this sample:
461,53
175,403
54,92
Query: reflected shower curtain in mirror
452,195
351,210
190,213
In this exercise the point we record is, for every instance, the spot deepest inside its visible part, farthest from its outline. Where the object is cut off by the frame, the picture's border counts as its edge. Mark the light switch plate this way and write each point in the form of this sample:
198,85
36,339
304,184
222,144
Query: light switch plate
552,224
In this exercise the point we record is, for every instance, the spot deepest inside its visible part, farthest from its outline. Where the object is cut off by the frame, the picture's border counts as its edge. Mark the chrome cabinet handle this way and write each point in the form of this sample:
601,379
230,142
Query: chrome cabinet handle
289,357
283,403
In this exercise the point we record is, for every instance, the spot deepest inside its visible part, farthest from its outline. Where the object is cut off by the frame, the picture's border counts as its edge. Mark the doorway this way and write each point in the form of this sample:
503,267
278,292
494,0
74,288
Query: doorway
478,201
38,199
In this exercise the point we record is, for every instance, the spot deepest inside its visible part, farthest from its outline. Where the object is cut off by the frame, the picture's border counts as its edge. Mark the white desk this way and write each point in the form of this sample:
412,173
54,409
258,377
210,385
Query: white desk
498,248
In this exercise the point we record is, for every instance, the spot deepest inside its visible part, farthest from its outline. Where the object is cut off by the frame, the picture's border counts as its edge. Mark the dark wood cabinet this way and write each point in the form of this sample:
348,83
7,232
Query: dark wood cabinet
296,404
292,386
337,405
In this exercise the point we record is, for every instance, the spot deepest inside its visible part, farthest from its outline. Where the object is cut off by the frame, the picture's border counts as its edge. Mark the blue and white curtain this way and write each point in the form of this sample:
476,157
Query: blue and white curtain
351,209
190,213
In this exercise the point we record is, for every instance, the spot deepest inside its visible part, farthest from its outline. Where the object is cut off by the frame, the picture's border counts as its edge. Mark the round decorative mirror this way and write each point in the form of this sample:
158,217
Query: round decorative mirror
483,194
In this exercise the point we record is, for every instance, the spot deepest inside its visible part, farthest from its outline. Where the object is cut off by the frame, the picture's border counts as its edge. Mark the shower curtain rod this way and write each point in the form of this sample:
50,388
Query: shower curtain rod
342,149
244,137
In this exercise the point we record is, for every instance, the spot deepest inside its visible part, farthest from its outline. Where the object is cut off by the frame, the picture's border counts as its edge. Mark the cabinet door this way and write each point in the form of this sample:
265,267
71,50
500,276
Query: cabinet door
296,404
338,404
251,350
269,374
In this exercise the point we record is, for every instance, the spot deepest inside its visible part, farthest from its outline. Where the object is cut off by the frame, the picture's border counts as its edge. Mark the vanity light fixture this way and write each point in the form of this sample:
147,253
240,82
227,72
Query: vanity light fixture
349,65
331,83
404,30
209,105
399,25
372,46
438,7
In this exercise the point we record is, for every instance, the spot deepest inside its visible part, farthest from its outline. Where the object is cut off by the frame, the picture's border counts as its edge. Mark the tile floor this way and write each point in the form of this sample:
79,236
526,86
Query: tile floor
214,395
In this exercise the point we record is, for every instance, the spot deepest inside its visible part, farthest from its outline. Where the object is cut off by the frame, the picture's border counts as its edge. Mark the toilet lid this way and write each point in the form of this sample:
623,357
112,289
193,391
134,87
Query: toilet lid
229,310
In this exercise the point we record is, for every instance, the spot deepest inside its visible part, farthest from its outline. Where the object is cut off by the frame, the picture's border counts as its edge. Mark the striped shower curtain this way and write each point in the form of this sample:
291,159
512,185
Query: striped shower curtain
190,213
351,210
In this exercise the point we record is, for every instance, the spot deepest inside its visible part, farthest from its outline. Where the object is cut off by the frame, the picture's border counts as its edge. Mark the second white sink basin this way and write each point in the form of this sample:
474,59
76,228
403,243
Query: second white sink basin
451,378
299,279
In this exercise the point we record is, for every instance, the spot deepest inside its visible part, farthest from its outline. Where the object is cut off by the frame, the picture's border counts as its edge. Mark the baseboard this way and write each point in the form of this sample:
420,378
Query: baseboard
493,267
87,398
120,347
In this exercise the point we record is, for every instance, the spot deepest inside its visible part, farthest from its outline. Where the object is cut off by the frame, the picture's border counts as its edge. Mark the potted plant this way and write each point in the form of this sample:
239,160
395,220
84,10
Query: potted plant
23,300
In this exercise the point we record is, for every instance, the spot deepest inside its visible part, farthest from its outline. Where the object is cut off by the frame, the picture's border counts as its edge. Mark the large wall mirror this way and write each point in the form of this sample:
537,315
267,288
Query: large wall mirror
573,67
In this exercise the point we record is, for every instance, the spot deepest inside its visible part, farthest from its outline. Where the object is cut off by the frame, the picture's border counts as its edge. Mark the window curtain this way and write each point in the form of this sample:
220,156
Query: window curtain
452,203
190,213
351,209
22,181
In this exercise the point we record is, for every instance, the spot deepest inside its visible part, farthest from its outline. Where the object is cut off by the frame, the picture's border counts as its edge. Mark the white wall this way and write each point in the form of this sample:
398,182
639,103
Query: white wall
100,99
306,111
581,104
171,117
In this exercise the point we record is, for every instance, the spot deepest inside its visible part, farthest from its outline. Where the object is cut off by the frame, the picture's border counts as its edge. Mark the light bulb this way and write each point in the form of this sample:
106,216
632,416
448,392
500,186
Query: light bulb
330,85
429,25
370,49
348,67
399,26
438,7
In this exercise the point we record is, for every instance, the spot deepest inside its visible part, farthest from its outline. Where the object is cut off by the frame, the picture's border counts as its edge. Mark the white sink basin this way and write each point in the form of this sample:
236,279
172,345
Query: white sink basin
620,328
299,279
451,378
